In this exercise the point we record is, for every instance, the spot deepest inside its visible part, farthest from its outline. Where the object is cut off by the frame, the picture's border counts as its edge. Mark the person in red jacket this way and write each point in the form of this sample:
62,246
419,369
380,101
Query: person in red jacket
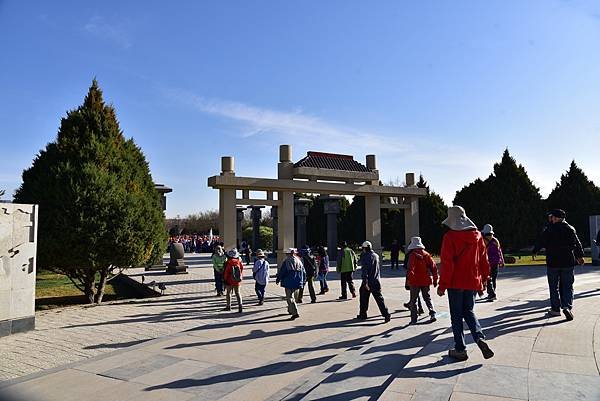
421,269
232,276
464,272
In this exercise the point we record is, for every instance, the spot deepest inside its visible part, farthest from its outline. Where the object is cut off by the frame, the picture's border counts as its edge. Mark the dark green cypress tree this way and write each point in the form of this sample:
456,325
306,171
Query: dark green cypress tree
99,210
579,197
508,200
432,211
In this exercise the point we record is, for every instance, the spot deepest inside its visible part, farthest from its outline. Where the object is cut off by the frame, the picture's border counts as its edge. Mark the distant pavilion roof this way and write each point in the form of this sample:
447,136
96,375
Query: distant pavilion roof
331,161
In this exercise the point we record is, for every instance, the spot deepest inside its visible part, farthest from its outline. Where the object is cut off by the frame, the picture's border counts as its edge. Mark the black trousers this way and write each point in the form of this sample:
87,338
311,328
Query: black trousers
346,278
311,289
375,290
491,284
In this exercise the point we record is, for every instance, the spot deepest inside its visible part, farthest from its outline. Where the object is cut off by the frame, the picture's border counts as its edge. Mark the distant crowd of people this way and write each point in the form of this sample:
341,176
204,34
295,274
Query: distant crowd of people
195,243
469,264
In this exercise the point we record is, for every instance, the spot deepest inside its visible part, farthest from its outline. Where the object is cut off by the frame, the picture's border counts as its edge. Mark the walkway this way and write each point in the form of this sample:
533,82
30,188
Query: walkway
214,355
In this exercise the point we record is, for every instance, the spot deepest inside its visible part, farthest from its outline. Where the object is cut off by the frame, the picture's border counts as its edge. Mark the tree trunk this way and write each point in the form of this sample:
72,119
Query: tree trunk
90,288
101,284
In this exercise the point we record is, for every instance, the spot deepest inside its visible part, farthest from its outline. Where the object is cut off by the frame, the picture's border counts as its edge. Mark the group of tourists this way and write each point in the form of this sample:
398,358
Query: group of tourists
195,243
469,259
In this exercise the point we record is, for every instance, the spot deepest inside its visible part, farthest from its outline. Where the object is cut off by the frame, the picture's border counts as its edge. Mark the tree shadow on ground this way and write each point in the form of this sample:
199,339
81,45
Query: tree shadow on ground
116,345
243,374
260,333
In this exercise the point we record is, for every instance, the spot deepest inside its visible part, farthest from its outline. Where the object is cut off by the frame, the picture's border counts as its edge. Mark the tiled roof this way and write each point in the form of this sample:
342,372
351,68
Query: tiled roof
331,161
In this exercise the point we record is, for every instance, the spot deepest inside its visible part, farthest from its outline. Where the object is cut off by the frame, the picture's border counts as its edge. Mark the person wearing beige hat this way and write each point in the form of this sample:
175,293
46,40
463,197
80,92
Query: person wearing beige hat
292,277
464,272
420,274
495,257
260,272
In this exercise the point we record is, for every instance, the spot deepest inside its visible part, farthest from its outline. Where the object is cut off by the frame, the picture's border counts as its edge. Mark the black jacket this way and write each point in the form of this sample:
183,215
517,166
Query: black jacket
309,265
562,245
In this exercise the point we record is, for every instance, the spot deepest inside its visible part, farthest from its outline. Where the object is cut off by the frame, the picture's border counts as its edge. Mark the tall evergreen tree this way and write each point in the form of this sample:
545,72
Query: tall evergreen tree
99,210
352,227
432,211
579,197
508,200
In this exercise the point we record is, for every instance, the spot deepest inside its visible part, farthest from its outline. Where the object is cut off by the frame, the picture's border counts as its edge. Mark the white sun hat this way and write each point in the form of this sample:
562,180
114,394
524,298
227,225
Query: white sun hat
457,219
487,229
233,253
290,251
415,243
367,244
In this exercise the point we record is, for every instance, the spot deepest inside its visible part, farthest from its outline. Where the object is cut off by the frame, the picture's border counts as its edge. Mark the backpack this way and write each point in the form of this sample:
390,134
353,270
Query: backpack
236,273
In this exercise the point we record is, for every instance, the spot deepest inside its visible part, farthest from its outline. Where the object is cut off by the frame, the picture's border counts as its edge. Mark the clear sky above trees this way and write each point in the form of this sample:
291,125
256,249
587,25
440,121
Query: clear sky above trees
438,88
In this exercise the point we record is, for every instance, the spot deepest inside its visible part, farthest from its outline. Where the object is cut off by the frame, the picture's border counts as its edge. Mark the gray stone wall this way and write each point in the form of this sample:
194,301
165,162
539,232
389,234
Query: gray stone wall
18,245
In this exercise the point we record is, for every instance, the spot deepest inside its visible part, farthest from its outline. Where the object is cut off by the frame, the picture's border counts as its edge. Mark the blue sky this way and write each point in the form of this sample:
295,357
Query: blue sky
438,88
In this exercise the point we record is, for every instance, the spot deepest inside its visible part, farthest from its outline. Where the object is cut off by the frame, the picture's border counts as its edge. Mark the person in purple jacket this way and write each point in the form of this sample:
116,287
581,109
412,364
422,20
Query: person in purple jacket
495,257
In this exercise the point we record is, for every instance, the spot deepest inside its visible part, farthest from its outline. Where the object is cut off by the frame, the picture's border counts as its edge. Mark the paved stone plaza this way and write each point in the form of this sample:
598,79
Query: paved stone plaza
183,347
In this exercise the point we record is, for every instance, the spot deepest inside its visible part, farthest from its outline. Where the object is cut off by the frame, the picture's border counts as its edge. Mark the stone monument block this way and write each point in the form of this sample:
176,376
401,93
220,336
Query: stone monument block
18,248
176,264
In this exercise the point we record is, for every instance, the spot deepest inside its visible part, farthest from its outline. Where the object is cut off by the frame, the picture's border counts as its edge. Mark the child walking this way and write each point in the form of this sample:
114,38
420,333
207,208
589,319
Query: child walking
421,270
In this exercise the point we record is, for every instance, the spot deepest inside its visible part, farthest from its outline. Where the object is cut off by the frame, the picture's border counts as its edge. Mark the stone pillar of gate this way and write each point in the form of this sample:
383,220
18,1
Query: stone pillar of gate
256,215
373,221
331,208
275,228
285,224
411,214
227,211
301,213
239,219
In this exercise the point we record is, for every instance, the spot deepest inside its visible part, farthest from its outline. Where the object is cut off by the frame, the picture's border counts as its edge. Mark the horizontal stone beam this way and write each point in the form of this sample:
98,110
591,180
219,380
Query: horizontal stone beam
334,175
257,202
271,184
394,206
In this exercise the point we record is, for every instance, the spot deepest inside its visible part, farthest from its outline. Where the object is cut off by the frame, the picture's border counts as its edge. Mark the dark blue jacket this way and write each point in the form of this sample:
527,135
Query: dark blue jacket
291,274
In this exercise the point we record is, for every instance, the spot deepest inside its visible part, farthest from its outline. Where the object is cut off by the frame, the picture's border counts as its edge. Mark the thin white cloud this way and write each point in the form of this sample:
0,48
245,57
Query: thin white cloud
115,32
439,162
283,124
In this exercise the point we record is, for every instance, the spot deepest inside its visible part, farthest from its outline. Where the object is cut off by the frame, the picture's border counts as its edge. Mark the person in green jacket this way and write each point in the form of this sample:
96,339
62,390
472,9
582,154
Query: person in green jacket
346,265
218,260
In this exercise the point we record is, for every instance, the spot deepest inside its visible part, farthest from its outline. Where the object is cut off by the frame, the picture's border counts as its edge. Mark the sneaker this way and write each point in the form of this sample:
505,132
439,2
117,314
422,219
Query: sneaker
342,298
387,318
553,312
260,302
326,289
491,299
432,317
568,314
421,311
294,317
227,309
458,355
313,301
485,349
361,317
413,322
407,305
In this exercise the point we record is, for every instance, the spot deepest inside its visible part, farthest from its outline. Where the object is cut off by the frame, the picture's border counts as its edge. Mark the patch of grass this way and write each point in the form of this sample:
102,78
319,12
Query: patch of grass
55,290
